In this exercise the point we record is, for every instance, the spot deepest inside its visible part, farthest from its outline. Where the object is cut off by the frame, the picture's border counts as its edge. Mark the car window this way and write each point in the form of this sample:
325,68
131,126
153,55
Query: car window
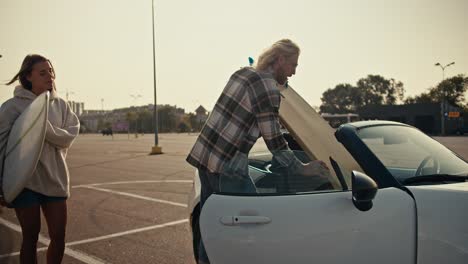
260,174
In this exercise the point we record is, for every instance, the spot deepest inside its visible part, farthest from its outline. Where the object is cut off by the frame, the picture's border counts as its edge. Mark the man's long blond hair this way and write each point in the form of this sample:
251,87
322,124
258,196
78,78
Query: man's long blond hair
284,47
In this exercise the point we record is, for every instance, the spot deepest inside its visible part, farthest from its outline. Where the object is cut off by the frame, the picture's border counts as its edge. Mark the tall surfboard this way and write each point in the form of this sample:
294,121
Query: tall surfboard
313,133
24,146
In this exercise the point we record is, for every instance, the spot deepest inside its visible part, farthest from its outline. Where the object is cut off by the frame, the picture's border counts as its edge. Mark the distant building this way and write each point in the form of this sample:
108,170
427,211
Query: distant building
179,113
77,107
120,126
201,114
90,119
89,125
117,119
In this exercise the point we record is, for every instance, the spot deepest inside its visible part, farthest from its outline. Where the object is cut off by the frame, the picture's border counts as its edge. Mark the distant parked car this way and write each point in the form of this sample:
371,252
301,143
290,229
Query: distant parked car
462,131
107,132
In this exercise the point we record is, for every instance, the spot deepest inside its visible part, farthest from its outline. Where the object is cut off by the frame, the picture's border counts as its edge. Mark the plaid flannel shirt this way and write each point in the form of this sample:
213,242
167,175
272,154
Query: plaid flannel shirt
247,109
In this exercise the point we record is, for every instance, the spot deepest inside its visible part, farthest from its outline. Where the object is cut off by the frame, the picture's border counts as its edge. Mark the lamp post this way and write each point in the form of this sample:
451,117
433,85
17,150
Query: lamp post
67,94
156,149
443,104
443,68
135,98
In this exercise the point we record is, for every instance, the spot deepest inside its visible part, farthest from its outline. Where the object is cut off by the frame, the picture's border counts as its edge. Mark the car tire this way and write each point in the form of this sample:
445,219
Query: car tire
196,236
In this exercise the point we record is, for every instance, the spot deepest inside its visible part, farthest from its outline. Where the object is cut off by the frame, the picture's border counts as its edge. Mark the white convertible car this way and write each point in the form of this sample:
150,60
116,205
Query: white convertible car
408,204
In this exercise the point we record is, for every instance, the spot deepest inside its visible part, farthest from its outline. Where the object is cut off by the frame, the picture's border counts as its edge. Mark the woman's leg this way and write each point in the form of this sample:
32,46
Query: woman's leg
30,221
55,214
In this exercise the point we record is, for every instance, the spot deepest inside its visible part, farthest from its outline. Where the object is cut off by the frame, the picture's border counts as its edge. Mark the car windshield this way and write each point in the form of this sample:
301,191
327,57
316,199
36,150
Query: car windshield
408,153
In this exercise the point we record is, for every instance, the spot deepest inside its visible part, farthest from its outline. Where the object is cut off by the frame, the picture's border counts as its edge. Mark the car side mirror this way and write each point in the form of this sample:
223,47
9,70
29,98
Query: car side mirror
364,189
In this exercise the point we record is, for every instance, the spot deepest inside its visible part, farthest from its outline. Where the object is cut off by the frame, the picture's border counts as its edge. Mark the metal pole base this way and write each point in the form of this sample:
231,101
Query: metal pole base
155,150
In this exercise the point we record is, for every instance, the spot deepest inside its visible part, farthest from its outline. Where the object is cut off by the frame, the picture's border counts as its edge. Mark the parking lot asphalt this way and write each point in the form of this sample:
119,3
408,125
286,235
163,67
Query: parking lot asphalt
127,206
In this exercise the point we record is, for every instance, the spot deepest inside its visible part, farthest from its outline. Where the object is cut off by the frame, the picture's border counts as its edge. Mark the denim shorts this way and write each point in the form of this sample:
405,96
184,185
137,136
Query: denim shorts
28,198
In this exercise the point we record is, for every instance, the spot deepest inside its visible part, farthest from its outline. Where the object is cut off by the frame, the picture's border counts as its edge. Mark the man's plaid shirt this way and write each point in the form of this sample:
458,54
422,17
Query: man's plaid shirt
247,109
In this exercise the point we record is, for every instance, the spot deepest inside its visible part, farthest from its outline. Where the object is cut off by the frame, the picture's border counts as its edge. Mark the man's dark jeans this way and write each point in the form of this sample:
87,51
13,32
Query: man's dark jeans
209,184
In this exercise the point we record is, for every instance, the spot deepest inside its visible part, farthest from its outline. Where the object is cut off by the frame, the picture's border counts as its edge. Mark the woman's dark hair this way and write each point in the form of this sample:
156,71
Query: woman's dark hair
26,69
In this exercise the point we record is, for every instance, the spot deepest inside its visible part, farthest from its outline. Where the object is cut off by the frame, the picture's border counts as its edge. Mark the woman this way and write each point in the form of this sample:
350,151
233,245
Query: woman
48,188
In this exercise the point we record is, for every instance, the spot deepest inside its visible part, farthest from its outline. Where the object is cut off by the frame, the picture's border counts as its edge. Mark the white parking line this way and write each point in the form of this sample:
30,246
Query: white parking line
135,196
70,252
127,232
17,253
83,257
90,240
92,259
130,182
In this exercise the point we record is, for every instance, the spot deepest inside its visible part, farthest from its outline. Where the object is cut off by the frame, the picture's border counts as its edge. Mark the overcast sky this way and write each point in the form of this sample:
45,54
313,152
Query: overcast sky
102,49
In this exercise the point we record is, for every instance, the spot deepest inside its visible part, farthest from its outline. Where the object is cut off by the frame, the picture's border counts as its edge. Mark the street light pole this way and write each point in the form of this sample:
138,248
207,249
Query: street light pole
67,94
443,103
443,68
156,149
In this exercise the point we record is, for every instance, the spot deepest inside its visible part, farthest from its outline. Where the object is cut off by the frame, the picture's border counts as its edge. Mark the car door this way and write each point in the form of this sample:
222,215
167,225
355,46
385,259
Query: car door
309,227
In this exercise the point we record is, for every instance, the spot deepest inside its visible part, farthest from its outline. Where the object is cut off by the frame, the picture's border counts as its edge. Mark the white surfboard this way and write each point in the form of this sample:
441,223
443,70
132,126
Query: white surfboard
313,133
24,146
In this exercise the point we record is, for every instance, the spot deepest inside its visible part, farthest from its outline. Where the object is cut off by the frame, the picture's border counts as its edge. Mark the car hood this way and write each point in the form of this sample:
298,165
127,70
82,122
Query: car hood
463,187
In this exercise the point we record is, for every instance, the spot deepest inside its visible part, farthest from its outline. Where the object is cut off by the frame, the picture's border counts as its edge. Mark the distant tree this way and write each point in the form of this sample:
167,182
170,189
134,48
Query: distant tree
166,118
465,108
375,89
193,121
452,89
131,117
344,98
103,124
422,98
183,127
145,121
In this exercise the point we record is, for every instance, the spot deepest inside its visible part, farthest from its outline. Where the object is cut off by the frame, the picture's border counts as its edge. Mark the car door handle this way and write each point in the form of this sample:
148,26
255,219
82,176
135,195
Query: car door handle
243,220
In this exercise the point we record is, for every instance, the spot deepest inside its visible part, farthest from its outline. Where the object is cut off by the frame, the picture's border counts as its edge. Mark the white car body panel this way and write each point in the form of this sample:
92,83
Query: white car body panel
442,223
194,195
319,228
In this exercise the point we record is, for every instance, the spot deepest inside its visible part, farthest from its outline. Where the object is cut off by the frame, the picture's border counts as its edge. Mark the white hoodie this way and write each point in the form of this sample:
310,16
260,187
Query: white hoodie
51,176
